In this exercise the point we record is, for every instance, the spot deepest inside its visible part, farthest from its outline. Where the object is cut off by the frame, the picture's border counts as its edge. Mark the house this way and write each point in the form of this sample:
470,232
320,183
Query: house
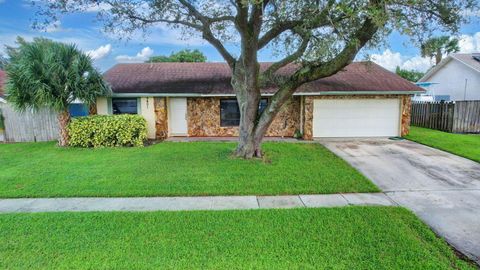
457,77
197,100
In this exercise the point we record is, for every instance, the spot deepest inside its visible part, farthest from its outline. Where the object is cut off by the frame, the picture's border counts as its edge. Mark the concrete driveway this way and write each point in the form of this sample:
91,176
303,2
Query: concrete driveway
441,188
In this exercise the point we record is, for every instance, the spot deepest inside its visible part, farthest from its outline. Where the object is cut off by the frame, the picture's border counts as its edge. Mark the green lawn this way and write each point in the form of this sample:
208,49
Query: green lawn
326,238
168,169
465,145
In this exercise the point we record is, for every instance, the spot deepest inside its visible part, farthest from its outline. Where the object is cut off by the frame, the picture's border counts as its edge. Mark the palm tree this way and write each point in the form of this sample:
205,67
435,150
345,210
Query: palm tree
44,73
439,46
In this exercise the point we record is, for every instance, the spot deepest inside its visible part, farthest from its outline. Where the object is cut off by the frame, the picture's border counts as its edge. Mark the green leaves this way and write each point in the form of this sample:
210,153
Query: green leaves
44,73
108,131
180,56
410,75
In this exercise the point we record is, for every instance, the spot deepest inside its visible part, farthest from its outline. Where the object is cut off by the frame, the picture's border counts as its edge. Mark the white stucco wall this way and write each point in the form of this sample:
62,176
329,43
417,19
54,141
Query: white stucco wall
147,110
102,106
451,81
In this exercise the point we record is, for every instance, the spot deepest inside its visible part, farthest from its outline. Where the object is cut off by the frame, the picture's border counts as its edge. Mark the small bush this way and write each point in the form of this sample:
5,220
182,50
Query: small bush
108,131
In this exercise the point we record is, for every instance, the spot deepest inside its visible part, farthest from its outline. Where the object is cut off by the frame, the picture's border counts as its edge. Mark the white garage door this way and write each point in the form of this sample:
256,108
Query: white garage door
356,117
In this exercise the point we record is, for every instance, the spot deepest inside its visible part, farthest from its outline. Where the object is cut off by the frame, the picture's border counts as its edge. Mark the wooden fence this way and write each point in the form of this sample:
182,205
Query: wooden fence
455,116
29,126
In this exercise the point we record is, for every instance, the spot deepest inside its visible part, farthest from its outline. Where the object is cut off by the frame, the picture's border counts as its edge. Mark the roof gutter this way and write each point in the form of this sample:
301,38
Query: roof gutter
343,93
331,93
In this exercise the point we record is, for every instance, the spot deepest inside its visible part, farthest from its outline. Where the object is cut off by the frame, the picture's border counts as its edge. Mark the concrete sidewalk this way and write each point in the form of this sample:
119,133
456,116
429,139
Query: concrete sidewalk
191,203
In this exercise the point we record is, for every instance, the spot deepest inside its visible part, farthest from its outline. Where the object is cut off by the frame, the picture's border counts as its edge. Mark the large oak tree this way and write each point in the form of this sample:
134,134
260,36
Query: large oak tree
320,37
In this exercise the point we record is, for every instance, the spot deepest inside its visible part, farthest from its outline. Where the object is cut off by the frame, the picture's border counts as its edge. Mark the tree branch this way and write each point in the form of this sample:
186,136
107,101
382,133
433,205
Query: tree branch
270,71
320,20
207,33
313,72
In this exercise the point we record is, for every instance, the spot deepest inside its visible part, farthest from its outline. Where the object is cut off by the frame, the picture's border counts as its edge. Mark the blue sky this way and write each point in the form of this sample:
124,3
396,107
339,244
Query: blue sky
16,17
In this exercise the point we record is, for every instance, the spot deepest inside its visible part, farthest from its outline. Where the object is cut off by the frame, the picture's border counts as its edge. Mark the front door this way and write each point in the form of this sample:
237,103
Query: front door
177,117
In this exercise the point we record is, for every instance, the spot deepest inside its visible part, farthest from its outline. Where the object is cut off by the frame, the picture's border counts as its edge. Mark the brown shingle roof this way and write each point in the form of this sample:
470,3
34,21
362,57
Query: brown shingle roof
214,78
2,82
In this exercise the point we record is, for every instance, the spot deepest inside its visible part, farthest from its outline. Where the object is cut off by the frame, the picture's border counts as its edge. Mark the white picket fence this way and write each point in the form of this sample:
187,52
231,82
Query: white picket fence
29,126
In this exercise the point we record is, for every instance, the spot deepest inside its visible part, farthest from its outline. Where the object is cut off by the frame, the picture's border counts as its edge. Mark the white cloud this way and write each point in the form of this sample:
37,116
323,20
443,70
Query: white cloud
471,13
469,44
72,5
417,63
55,26
141,56
391,60
163,34
100,52
387,59
98,7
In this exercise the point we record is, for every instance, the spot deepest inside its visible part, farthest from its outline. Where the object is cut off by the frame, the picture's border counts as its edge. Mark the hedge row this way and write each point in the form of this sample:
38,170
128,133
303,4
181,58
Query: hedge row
108,131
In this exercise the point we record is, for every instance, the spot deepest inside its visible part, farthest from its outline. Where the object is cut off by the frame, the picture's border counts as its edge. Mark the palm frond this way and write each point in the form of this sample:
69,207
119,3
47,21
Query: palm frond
44,73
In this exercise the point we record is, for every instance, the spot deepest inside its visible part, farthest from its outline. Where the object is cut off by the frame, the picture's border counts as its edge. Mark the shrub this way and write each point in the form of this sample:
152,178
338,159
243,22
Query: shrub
108,131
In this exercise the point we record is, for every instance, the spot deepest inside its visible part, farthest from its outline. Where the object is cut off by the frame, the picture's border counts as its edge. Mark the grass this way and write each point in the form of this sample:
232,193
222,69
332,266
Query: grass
171,169
465,145
326,238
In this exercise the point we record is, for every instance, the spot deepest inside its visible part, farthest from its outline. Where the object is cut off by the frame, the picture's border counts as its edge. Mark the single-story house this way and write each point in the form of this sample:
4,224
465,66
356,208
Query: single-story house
457,77
197,100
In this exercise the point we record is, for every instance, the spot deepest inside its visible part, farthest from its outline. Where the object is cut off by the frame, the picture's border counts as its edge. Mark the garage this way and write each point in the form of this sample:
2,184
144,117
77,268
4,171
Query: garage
356,117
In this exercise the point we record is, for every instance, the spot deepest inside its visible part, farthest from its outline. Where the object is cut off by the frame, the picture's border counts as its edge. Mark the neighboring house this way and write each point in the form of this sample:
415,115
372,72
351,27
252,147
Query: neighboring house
197,100
457,77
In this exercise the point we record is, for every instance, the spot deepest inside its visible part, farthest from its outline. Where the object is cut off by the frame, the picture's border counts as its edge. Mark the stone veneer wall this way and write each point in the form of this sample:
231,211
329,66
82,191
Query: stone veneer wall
161,118
308,105
406,114
92,109
204,119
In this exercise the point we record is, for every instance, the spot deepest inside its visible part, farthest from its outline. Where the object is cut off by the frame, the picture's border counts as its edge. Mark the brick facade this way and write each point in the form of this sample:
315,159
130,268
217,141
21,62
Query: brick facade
203,118
161,118
406,114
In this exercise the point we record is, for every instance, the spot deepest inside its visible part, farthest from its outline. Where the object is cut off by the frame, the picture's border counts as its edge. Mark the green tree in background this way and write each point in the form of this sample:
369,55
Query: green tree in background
437,47
180,56
411,75
44,73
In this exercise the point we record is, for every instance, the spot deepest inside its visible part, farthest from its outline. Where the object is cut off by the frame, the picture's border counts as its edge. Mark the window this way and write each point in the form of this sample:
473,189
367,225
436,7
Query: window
230,113
78,109
262,105
124,106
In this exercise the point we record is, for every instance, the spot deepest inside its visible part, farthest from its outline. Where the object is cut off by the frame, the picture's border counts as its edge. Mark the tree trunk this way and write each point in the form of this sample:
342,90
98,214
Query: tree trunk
248,145
63,120
253,126
438,57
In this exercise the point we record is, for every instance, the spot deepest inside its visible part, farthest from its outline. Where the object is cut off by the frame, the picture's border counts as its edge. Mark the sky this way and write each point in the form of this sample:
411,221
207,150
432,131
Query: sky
82,29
